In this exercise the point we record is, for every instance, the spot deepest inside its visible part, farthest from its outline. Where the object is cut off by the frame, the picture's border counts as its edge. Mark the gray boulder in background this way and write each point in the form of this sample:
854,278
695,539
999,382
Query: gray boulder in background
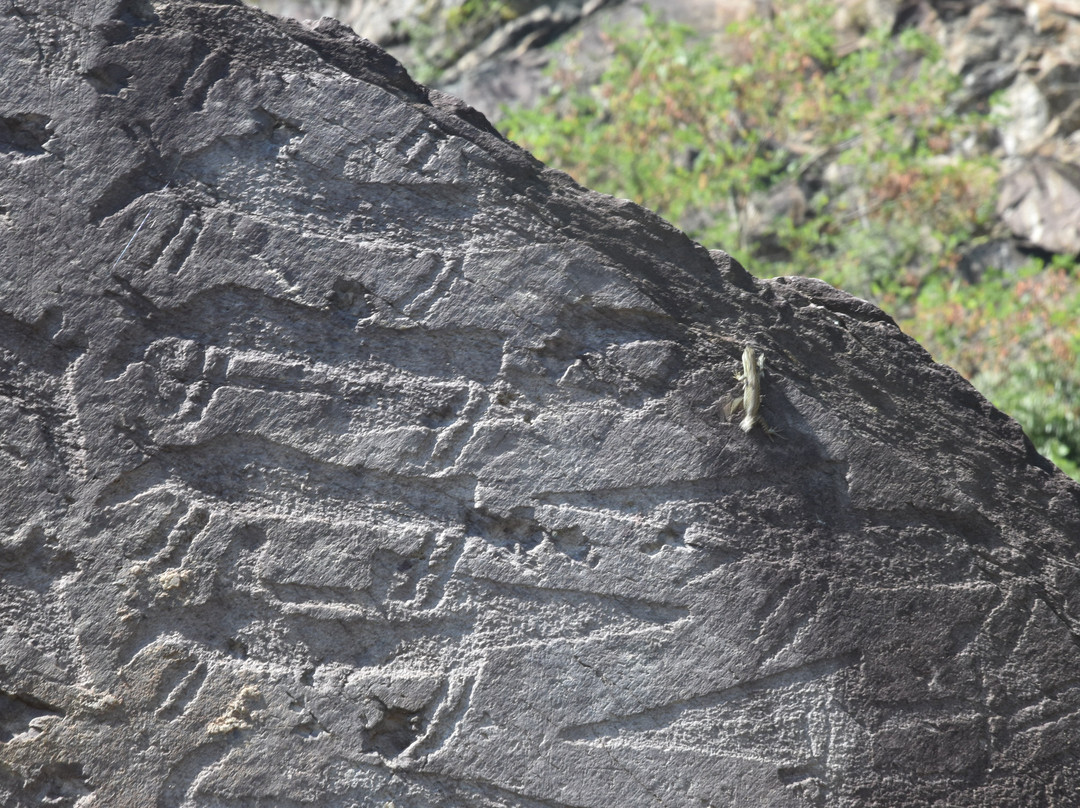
1039,201
350,457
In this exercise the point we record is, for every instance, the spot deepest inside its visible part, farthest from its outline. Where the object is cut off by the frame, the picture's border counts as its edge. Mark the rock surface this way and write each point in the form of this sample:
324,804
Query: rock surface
1039,201
352,458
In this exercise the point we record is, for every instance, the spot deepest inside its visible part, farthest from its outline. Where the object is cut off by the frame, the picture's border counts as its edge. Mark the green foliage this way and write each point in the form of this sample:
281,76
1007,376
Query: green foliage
884,186
1016,338
472,11
699,135
440,36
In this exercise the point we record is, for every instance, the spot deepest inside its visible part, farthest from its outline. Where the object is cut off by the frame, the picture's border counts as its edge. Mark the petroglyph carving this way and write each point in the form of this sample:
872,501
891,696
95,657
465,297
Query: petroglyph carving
350,457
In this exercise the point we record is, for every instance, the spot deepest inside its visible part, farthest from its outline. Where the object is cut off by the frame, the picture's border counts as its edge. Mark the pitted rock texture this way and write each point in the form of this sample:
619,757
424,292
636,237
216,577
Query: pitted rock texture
352,458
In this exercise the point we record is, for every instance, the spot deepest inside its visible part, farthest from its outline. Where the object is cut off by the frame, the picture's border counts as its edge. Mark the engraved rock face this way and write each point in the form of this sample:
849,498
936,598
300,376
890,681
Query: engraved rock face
350,457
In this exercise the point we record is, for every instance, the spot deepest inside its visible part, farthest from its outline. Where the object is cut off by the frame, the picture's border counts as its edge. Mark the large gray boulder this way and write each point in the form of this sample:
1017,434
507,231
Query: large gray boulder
352,458
1039,201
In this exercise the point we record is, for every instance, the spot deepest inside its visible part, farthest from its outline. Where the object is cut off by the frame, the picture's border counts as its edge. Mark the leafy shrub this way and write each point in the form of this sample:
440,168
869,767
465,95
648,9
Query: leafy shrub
440,35
1016,338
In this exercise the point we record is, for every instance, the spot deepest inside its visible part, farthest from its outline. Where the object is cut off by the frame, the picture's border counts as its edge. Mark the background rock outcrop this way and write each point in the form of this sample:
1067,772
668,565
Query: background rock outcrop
352,457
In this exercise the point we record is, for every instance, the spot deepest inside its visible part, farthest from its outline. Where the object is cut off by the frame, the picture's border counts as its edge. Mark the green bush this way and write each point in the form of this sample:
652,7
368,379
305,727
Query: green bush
885,185
439,36
1017,339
